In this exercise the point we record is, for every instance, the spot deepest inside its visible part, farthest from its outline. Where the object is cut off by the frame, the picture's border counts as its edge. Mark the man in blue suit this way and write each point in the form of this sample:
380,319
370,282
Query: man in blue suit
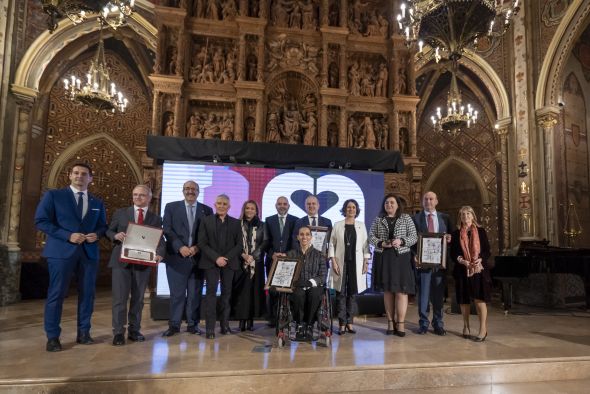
312,207
278,230
73,221
185,280
431,280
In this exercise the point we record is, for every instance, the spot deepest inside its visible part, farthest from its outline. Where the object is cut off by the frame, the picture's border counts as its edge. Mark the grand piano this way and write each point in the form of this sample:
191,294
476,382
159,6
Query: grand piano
540,257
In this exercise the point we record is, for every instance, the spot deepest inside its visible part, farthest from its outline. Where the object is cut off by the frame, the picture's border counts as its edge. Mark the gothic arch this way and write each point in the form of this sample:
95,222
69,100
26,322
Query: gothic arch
551,75
440,171
57,166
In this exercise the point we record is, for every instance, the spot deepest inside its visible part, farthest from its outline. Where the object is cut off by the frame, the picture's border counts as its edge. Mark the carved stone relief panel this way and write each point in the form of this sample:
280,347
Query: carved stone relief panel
171,51
292,116
210,119
333,66
294,14
334,13
249,119
367,18
213,60
367,75
367,130
251,58
286,53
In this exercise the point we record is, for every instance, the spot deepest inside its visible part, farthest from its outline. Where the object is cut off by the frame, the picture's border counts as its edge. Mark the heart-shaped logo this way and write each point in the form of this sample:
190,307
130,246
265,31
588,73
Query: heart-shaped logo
327,199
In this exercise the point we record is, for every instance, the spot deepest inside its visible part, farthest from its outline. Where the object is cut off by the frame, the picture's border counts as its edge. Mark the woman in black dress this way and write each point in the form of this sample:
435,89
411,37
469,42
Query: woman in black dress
470,250
392,234
248,292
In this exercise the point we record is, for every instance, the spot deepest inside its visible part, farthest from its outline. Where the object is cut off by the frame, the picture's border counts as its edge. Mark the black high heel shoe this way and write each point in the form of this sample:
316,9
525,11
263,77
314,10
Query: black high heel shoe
349,328
250,325
468,335
478,339
397,332
390,328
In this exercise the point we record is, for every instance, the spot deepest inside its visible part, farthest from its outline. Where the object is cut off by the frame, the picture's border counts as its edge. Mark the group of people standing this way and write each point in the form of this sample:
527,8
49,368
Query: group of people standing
205,245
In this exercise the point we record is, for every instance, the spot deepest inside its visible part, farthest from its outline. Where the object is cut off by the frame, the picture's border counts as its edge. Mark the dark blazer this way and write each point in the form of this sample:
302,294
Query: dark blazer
304,221
121,219
176,227
57,217
456,251
314,265
278,242
444,222
211,248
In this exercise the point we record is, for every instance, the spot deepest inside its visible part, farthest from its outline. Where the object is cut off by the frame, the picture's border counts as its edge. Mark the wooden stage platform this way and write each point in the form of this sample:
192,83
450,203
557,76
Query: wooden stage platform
538,346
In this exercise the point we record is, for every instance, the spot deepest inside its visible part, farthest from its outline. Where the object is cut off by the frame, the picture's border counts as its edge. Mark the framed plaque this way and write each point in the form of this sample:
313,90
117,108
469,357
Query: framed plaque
283,274
319,238
432,250
140,245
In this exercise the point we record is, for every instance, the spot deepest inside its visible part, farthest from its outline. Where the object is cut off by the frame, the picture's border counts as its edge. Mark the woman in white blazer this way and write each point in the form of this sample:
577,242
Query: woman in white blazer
349,257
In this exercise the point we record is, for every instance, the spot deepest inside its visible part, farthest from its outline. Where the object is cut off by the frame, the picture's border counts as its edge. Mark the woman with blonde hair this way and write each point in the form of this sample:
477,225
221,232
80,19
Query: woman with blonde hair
470,249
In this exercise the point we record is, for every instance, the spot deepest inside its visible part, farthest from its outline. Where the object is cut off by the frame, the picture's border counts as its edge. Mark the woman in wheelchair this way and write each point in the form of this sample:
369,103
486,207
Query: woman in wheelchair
307,295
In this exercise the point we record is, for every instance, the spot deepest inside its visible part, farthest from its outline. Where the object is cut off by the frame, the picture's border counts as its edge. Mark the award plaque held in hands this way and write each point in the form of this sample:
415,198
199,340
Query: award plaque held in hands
319,238
432,250
140,245
283,274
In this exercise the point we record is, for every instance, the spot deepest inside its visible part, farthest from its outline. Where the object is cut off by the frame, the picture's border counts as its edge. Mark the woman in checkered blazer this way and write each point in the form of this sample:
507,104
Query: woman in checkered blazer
392,234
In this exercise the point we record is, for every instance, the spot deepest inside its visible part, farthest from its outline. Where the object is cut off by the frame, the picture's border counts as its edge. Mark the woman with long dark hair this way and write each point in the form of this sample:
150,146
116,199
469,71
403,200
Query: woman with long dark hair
392,234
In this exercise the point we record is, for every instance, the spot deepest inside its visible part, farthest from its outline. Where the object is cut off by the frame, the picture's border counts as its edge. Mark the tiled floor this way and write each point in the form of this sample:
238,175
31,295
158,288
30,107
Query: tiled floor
537,346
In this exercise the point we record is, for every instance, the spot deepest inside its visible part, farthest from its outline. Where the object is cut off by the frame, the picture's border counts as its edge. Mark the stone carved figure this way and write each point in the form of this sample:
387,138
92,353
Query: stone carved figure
292,122
383,24
402,81
172,56
193,127
404,141
373,27
311,127
295,16
368,131
251,67
332,134
309,19
218,62
333,75
211,127
253,8
367,86
351,133
384,134
273,128
354,78
250,128
169,125
212,11
334,14
229,10
357,15
381,84
227,127
285,53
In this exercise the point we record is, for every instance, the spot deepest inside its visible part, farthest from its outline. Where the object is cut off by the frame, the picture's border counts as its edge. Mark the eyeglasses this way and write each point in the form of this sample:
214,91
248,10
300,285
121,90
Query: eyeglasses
191,188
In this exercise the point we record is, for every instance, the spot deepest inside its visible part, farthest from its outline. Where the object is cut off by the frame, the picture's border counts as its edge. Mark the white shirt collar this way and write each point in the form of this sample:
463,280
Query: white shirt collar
76,191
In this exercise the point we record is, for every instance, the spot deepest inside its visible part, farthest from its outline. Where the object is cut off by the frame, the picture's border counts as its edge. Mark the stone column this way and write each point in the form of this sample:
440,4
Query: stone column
260,64
242,57
323,137
258,132
344,13
239,120
411,72
394,131
413,133
179,124
180,56
324,74
343,129
156,119
503,131
546,120
324,10
161,50
342,83
394,72
10,253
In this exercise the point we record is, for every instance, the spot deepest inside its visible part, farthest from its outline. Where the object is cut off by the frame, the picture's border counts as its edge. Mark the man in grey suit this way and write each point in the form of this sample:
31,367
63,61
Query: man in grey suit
181,223
431,280
130,278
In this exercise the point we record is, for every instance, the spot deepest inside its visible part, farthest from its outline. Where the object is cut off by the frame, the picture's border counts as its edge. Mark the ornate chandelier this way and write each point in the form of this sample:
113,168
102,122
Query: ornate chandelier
98,91
111,12
449,27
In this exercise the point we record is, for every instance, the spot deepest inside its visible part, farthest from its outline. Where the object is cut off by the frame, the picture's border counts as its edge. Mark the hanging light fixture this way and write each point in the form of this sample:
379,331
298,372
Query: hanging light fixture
97,91
449,27
112,12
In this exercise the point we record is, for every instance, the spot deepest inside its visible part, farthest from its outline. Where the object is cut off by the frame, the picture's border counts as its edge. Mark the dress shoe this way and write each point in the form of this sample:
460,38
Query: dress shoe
225,329
135,336
53,345
250,325
210,335
170,331
342,330
350,329
118,340
440,331
480,339
423,330
242,325
84,338
398,332
193,330
301,333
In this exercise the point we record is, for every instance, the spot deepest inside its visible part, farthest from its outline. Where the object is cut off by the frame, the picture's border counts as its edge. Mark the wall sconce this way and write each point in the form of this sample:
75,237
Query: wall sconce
523,170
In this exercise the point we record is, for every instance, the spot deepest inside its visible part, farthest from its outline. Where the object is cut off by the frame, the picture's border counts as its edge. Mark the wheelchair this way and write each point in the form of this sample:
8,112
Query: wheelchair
286,327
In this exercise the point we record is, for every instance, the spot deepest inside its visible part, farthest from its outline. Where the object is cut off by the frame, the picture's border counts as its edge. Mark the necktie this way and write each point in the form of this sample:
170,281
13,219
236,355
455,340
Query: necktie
140,216
80,206
314,222
191,222
281,224
430,223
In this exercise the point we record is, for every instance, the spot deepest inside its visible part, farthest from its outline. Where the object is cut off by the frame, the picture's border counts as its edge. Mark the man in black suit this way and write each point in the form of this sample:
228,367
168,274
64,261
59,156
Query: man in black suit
221,244
312,207
181,223
278,229
431,281
130,278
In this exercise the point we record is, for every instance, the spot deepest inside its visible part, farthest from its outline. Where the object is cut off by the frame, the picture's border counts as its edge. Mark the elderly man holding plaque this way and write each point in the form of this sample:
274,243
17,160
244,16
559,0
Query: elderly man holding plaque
307,295
130,279
181,223
313,220
431,279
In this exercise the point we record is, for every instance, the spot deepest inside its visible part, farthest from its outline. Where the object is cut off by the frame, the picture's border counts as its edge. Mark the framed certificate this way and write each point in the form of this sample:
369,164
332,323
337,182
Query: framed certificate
283,274
140,245
432,250
319,238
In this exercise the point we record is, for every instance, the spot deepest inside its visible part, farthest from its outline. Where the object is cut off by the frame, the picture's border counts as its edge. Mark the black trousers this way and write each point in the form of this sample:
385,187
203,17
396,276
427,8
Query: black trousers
305,303
213,276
